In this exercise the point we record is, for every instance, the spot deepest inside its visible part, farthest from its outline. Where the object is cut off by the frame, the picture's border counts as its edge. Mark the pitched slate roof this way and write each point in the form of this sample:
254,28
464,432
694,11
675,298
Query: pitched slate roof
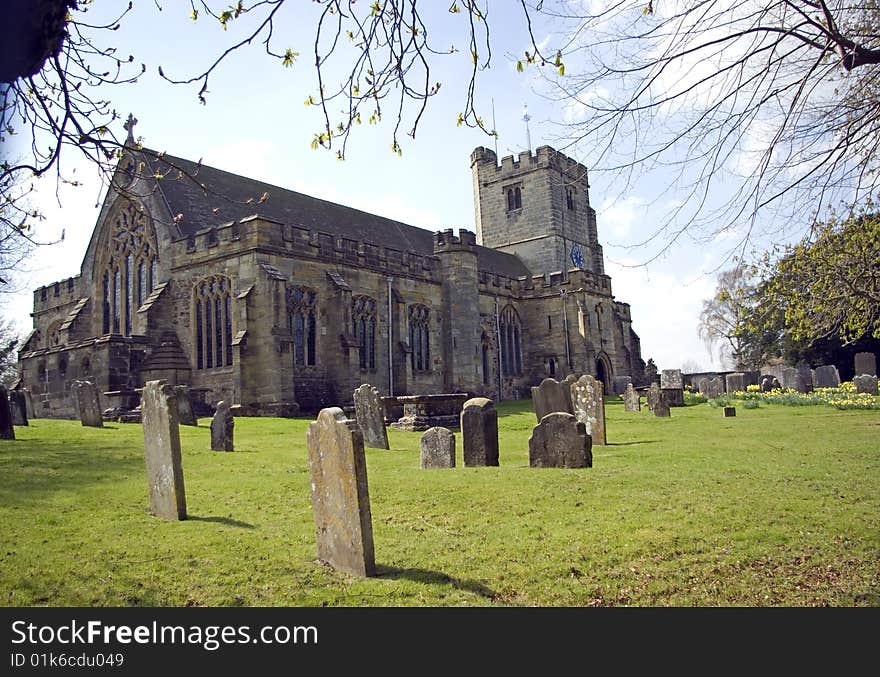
232,197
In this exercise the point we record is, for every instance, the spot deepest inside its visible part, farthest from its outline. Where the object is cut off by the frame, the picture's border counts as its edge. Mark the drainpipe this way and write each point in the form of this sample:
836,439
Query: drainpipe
562,295
498,346
390,353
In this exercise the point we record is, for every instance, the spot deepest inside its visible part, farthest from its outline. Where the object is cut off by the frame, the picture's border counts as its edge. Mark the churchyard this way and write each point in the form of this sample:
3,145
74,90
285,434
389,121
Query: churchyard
778,505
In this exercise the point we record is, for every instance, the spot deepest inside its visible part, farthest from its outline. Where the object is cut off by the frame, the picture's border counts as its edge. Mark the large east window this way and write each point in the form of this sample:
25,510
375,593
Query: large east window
212,309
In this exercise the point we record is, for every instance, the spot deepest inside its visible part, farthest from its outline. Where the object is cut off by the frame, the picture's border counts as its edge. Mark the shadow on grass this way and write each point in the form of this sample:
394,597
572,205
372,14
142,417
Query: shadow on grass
434,578
227,521
628,444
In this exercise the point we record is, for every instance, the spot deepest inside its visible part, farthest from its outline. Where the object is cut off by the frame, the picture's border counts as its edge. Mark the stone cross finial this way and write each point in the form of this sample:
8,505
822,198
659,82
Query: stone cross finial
129,127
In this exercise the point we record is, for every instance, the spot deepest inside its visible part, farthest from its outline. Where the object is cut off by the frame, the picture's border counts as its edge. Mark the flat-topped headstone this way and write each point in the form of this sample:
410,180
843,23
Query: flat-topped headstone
865,363
7,432
340,495
185,413
798,379
671,378
88,404
631,399
865,383
222,428
479,432
826,377
370,414
769,382
729,412
437,448
550,396
560,441
162,451
29,404
658,396
18,408
736,383
588,399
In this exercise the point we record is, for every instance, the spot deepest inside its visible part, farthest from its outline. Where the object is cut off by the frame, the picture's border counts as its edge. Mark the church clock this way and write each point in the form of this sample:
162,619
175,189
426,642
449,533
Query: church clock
577,256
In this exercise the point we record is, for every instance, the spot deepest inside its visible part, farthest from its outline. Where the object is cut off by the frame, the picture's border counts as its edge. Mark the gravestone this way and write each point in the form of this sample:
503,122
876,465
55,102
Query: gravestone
736,383
29,404
479,432
222,428
792,379
712,387
865,363
18,408
768,383
653,395
162,451
340,495
729,412
661,406
87,404
588,399
566,390
826,377
7,432
370,414
185,413
865,383
631,399
550,396
438,448
672,386
560,441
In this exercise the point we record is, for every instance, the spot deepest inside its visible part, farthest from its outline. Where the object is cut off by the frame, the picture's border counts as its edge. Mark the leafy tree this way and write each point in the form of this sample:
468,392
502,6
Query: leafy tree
723,316
9,342
651,372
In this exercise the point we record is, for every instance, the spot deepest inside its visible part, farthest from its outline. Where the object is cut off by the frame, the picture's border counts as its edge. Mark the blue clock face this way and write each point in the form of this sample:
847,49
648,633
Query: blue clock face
577,256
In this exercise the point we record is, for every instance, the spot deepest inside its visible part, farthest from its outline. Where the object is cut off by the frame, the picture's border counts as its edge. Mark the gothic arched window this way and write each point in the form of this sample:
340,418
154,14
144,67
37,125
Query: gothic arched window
363,317
212,308
514,198
301,322
420,337
510,341
130,250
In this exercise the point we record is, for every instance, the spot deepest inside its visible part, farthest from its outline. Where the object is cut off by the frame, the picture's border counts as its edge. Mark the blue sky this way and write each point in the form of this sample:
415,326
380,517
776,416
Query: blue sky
255,123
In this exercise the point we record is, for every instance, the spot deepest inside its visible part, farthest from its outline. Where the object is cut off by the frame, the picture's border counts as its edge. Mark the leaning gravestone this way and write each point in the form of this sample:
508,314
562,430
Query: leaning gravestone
340,495
162,451
438,448
826,377
712,387
560,441
479,432
222,428
370,414
7,432
736,383
88,405
18,408
185,413
865,383
653,395
29,403
865,363
587,397
631,399
550,396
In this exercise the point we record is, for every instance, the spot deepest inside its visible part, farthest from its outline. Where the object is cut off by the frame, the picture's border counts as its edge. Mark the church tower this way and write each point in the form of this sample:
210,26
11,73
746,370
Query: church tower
536,207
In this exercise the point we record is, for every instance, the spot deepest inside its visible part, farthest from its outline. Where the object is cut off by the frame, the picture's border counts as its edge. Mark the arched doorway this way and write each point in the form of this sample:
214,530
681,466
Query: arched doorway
603,371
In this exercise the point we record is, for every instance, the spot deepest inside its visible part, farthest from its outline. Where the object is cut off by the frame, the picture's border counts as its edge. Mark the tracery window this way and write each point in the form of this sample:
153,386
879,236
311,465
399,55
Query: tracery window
514,198
510,340
420,337
363,317
130,252
301,322
212,307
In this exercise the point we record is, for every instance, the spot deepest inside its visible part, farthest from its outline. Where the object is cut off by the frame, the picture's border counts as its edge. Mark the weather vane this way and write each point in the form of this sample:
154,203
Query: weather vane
526,117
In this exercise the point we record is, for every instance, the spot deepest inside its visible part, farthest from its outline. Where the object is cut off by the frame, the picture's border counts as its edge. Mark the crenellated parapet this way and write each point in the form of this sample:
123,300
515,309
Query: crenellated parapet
57,294
543,157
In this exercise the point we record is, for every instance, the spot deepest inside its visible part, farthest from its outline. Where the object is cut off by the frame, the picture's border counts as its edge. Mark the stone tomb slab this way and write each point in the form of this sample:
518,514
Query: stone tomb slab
162,451
437,448
560,441
370,414
340,495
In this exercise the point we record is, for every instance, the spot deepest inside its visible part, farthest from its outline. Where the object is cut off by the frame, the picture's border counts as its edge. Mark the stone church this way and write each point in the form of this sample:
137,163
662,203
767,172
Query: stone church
282,303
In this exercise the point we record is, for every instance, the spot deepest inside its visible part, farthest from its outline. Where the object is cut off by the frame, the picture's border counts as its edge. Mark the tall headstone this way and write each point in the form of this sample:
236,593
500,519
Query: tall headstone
340,495
672,386
826,377
865,383
438,448
222,428
653,396
550,396
162,451
370,413
88,405
631,399
7,432
865,363
18,408
661,404
185,413
29,404
560,441
736,383
479,432
588,399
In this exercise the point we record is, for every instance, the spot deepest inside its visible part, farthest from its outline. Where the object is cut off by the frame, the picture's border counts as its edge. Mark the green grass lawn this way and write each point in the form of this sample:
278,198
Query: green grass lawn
778,506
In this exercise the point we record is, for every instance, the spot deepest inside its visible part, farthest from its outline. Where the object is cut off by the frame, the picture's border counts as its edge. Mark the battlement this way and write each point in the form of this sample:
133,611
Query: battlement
571,281
543,157
57,294
445,240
